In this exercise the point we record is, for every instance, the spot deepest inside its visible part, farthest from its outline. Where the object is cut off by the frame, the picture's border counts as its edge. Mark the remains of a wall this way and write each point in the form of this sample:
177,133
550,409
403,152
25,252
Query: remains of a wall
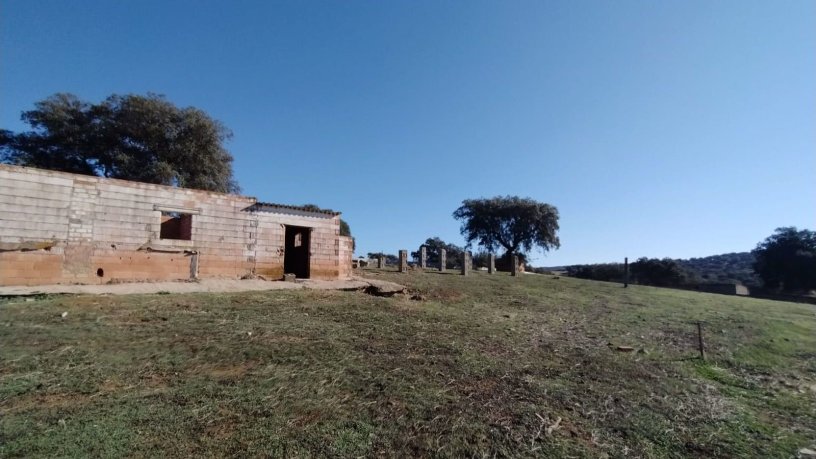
64,228
344,255
326,243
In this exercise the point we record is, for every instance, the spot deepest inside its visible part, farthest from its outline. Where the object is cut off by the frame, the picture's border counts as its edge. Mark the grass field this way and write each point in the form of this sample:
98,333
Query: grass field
477,366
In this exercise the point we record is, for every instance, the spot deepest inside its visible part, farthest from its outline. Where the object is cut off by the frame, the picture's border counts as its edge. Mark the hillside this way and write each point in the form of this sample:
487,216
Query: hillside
725,268
715,269
464,366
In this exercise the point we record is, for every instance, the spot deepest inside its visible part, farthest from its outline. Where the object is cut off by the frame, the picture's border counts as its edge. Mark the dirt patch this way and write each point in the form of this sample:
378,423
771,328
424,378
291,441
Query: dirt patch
60,401
225,372
374,287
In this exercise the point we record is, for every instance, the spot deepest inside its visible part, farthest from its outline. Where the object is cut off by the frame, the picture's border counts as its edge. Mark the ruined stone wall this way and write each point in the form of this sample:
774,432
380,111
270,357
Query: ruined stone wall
325,240
65,228
345,255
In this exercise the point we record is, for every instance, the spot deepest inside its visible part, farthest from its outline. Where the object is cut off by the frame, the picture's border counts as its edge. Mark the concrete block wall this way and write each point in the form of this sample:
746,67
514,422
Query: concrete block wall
324,262
57,227
345,254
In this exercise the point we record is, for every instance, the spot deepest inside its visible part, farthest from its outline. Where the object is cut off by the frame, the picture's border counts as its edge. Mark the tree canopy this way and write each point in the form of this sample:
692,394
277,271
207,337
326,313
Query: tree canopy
345,229
786,260
433,248
390,258
513,223
660,272
131,137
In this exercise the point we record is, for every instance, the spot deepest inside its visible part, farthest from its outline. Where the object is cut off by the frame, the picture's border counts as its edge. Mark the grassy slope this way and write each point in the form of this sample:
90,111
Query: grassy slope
482,366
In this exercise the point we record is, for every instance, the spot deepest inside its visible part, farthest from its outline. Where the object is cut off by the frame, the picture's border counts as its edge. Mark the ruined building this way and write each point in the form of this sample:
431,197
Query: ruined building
57,227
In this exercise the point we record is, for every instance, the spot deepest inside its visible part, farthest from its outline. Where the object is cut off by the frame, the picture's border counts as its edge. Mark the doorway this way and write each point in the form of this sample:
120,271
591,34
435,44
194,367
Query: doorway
296,251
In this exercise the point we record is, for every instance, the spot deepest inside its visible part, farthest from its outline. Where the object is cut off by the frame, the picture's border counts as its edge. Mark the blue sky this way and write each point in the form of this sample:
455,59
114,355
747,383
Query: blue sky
671,128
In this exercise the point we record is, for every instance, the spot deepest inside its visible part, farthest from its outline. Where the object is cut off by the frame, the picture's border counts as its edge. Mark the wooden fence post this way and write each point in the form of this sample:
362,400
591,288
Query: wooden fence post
626,272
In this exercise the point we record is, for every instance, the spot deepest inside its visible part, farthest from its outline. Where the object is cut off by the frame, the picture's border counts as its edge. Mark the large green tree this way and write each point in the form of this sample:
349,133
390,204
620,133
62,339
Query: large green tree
515,224
786,260
131,137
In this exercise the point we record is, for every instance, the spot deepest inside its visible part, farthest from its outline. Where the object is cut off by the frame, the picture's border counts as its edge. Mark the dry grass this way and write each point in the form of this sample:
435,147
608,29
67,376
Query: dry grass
483,366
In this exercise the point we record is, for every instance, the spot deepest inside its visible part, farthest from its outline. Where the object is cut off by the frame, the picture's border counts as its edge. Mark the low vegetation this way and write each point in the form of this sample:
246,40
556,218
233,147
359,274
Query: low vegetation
728,268
463,366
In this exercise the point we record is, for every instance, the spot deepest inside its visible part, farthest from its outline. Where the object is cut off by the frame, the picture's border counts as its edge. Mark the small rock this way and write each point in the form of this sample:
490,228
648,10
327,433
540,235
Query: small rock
806,453
64,314
29,300
625,348
249,334
643,351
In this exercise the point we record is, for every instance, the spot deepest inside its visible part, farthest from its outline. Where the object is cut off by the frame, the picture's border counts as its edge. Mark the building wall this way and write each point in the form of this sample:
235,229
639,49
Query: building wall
324,260
345,254
65,228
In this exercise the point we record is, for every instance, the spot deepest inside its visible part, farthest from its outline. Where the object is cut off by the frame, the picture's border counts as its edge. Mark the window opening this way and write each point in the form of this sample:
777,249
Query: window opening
176,225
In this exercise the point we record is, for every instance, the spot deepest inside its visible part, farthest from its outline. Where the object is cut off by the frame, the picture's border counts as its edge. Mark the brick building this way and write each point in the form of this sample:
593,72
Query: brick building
57,227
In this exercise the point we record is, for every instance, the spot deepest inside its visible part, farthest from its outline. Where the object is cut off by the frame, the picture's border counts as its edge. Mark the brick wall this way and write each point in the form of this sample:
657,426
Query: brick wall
65,228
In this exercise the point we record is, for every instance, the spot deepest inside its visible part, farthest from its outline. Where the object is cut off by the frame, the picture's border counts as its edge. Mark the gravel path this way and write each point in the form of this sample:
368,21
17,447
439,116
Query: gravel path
207,285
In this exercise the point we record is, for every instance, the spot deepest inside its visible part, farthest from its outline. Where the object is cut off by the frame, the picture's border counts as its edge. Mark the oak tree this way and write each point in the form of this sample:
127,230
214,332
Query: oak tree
515,224
131,137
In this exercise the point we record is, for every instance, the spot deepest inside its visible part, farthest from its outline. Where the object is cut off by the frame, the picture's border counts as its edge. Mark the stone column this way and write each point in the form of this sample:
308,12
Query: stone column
381,262
514,268
194,266
491,263
443,259
403,261
423,257
465,263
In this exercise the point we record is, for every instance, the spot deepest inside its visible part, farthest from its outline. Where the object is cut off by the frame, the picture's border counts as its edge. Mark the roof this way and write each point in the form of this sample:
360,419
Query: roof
309,209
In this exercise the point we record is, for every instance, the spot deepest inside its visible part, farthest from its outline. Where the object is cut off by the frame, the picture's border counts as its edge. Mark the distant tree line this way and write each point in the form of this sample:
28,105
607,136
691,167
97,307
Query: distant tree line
786,260
646,271
783,262
390,258
726,268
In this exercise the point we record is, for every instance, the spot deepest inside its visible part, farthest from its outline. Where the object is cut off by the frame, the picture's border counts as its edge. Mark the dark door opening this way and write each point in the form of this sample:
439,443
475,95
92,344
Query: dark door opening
296,251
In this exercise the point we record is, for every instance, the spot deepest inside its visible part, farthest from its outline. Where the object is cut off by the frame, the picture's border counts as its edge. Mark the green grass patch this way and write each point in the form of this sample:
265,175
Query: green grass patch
482,366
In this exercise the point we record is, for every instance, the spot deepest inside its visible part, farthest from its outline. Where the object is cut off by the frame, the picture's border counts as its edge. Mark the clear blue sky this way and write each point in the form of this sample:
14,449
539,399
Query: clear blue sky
658,128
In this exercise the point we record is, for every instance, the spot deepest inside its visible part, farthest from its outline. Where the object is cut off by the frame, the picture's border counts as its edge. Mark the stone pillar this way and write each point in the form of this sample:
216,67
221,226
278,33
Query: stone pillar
194,266
423,257
491,263
514,268
381,262
443,259
465,263
403,261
